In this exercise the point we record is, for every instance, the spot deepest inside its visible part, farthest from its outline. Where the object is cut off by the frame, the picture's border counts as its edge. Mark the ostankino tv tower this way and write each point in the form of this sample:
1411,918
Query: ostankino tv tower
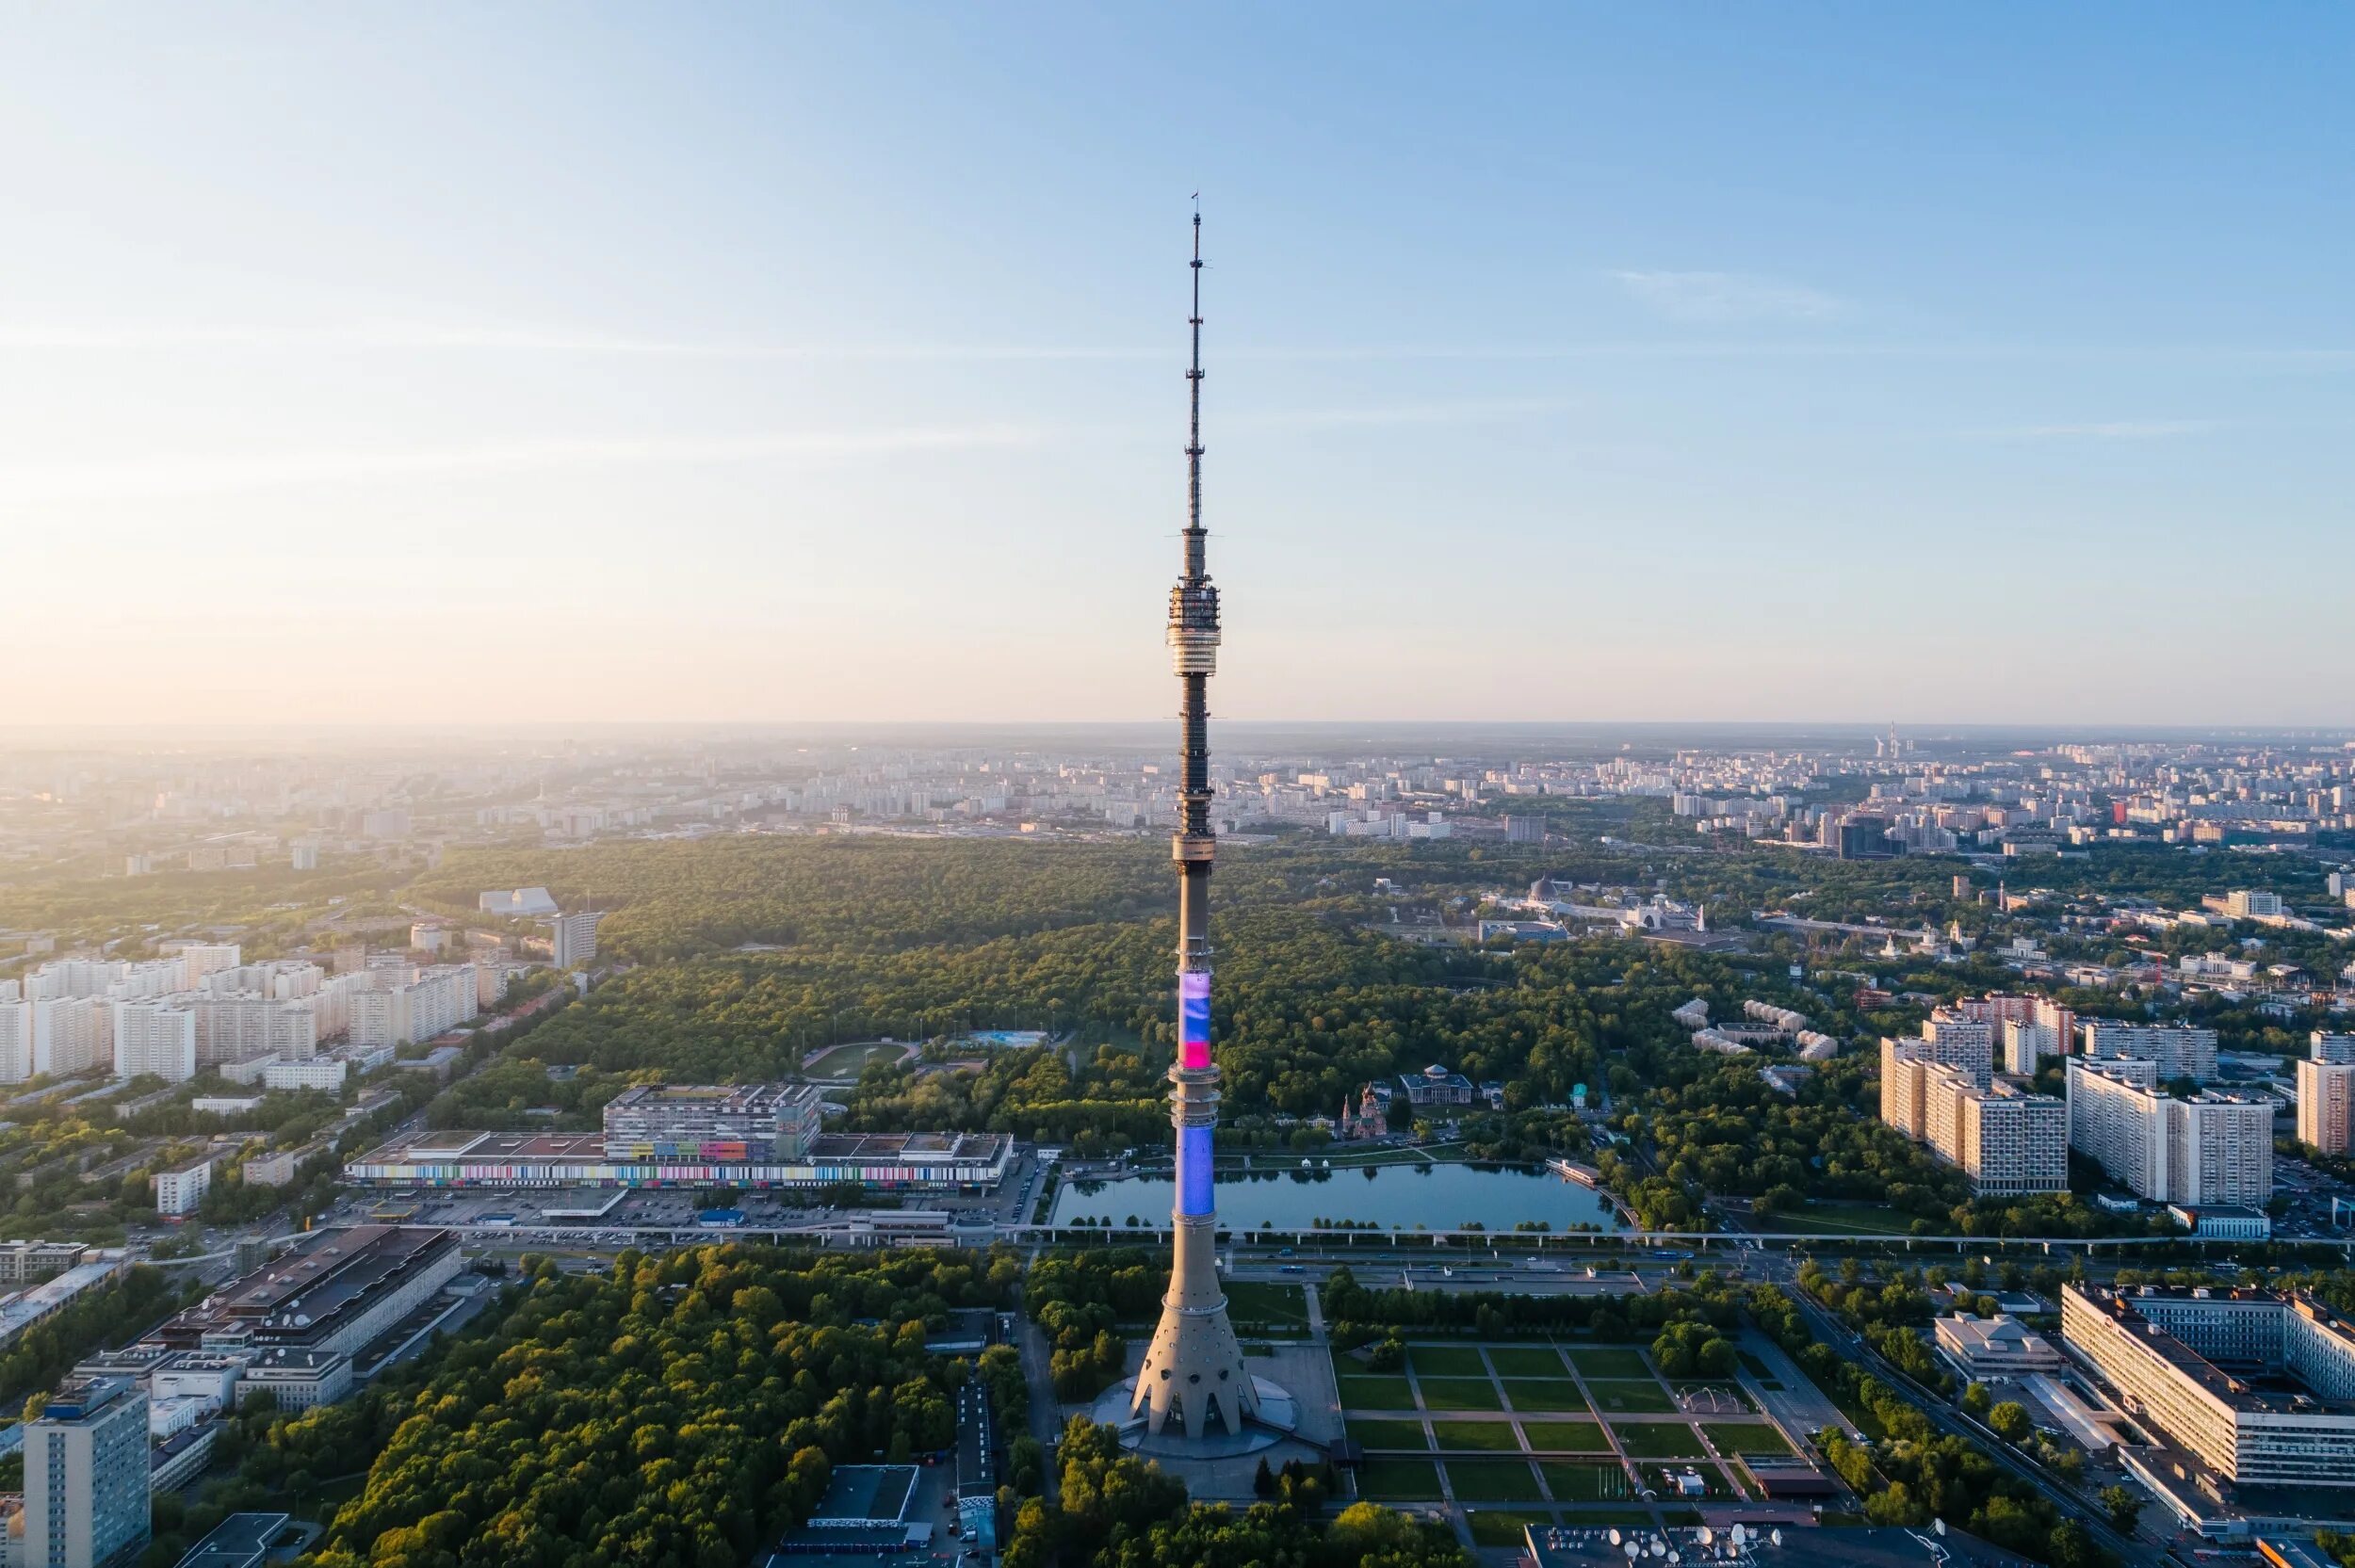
1193,1371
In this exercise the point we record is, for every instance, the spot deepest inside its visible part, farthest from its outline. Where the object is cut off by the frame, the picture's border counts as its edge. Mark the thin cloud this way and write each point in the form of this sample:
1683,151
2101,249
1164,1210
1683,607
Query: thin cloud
1721,297
2105,429
165,475
427,337
1693,297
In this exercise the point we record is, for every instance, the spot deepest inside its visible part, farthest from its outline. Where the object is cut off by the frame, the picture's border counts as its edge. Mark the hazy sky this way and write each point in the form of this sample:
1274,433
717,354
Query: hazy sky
1566,363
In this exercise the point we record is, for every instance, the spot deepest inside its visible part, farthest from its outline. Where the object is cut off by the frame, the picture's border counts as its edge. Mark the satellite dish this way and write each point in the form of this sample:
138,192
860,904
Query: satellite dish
1617,1538
1708,1536
1740,1535
1939,1525
1776,1535
1634,1551
1676,1557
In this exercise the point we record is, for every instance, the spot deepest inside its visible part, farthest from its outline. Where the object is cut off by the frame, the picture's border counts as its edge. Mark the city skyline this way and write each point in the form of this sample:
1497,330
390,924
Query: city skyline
1579,368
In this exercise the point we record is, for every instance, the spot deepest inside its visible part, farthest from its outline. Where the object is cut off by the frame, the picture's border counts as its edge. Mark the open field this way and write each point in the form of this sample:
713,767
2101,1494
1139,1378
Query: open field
1497,1435
1267,1304
1446,1361
1389,1435
1373,1391
1400,1481
1568,1436
1631,1397
849,1061
1552,1394
1493,1480
1849,1218
1459,1394
1497,1528
1609,1361
1658,1440
1526,1361
1573,1481
1746,1437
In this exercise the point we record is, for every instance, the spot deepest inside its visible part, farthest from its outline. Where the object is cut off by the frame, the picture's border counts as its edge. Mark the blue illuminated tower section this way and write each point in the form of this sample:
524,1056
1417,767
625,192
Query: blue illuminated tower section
1194,1372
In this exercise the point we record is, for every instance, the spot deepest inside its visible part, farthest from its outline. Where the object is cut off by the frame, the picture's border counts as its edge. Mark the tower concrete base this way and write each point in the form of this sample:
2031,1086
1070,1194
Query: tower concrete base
1274,1416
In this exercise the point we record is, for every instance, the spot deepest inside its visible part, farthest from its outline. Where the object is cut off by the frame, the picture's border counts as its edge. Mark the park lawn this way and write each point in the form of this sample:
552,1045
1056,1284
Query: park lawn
1526,1361
1389,1434
1609,1361
1399,1481
1852,1218
1658,1440
1371,1391
1746,1437
1494,1480
1492,1527
1544,1393
1446,1361
1497,1435
1459,1394
1586,1483
1266,1301
1630,1398
1568,1436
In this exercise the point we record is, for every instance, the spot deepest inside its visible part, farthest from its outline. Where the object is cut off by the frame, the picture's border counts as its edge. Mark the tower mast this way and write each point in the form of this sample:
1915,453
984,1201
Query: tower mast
1194,1370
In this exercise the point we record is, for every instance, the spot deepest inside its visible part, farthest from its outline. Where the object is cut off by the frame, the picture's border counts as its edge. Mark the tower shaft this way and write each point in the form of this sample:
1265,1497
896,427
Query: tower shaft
1193,1371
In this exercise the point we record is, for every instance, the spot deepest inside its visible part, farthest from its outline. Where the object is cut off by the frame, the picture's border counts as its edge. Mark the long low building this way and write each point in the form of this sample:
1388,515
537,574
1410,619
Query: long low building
925,1160
337,1295
2257,1385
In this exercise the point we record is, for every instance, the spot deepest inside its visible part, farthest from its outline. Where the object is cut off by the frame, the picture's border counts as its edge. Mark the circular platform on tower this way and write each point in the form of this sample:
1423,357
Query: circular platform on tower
1279,1415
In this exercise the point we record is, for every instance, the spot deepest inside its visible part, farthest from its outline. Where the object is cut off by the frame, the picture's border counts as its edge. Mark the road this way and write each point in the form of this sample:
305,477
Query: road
1948,1418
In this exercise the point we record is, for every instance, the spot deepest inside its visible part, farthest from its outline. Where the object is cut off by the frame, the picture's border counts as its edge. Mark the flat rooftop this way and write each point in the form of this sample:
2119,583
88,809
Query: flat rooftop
867,1492
338,1268
487,1148
239,1541
2264,1394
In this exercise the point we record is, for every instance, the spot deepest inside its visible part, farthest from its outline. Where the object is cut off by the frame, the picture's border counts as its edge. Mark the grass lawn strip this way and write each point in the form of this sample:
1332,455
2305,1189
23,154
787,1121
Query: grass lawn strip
1399,1481
1630,1398
1497,1436
1389,1434
1446,1361
1588,1483
1658,1440
1526,1361
1746,1437
1459,1394
1577,1437
1551,1394
1493,1480
1366,1391
1609,1361
1495,1528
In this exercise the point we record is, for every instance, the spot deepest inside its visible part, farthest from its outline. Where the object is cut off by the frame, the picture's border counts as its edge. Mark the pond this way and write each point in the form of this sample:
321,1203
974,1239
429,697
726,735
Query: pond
1437,1197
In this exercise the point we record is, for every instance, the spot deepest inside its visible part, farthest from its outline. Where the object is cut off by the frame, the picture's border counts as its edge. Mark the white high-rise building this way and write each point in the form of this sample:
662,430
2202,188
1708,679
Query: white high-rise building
576,938
86,1475
440,998
16,1034
155,1035
2326,1106
2335,1048
2212,1150
2007,1142
72,1034
2181,1050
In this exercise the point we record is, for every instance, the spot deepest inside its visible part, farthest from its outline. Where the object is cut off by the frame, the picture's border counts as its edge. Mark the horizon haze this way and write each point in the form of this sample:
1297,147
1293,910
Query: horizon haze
825,365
